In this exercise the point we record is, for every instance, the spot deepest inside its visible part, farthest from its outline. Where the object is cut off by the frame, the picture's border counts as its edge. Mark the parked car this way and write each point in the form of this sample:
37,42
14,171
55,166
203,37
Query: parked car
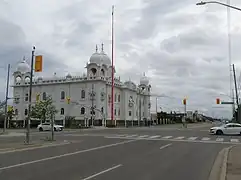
47,127
228,129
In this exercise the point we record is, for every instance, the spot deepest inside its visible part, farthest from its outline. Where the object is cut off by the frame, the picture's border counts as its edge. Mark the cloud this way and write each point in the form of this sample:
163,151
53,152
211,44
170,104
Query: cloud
182,47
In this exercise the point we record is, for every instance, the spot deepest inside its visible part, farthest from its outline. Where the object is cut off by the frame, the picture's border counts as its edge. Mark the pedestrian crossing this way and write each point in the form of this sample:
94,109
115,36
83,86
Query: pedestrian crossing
210,139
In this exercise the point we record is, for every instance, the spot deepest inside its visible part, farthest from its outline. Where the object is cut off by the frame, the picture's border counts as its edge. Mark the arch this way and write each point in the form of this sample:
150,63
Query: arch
62,111
82,110
27,79
119,98
93,70
102,72
62,95
44,96
18,79
82,94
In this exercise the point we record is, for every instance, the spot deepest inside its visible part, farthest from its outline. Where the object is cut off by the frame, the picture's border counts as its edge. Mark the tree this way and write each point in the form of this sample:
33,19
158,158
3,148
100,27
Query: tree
44,110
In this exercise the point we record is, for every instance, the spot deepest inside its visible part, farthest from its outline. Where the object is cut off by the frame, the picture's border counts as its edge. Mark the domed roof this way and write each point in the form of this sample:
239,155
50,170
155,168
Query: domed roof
23,67
144,80
100,58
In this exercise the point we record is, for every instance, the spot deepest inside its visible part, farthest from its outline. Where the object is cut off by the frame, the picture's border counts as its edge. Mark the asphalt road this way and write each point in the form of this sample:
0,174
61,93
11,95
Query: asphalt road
93,156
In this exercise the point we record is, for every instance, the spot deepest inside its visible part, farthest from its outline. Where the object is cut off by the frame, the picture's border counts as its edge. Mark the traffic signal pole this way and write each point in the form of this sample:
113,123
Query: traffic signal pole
236,93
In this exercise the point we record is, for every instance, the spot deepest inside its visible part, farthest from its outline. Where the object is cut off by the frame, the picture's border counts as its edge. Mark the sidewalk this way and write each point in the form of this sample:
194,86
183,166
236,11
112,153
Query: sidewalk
233,171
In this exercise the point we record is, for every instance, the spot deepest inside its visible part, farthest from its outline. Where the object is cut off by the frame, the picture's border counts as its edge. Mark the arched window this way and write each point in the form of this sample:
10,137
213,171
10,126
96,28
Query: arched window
62,111
115,112
62,95
119,98
115,97
44,96
26,112
83,94
102,110
82,110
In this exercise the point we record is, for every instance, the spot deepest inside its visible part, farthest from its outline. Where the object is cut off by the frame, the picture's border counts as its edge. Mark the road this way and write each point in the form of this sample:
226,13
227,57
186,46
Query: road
137,153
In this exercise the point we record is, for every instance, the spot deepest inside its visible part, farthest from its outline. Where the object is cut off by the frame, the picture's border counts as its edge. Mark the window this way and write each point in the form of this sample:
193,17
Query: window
26,97
44,96
26,112
102,110
82,110
129,113
83,94
119,112
115,112
16,111
62,111
119,98
109,98
92,112
115,97
62,95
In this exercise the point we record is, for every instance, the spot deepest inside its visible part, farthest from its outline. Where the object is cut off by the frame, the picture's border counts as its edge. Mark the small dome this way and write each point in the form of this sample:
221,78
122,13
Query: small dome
104,58
100,58
144,80
39,78
23,67
95,58
68,76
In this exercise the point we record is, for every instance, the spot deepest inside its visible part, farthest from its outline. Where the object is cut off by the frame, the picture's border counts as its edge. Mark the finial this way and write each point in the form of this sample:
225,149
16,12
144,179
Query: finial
102,46
96,48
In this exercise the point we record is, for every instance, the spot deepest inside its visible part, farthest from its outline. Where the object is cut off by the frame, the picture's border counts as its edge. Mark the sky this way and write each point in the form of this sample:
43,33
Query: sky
181,47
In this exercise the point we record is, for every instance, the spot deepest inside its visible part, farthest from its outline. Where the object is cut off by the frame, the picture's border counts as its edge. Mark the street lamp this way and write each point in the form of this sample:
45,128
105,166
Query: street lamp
216,2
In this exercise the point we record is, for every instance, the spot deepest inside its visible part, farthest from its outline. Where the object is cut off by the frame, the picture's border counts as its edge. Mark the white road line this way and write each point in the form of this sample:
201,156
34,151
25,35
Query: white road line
234,140
102,172
181,137
143,136
152,137
165,146
134,135
166,137
219,139
205,139
192,138
65,155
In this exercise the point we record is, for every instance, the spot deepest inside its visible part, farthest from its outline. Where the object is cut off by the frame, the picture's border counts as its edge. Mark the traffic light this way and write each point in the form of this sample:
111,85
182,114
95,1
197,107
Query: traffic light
184,101
217,101
38,63
68,100
37,97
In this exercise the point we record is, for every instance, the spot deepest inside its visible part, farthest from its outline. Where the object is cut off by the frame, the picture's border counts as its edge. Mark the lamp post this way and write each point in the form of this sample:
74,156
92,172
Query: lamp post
92,98
216,2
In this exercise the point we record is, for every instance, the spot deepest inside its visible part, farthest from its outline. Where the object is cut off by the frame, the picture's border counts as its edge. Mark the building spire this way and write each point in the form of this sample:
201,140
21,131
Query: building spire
102,47
96,48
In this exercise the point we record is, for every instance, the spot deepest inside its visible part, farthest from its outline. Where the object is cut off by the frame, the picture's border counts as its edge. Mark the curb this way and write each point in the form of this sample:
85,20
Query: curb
219,169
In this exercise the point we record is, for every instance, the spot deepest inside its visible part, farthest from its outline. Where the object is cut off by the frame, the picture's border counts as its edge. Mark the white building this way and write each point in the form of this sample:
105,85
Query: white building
131,101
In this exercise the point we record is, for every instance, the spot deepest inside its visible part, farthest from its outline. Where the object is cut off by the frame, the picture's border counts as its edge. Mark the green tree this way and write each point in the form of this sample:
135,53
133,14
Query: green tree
44,110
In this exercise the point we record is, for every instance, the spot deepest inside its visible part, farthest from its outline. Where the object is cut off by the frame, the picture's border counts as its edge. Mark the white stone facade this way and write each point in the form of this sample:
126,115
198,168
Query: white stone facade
131,101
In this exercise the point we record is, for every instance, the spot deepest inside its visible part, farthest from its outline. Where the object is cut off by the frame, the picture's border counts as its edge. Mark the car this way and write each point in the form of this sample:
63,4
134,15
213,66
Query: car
47,127
227,129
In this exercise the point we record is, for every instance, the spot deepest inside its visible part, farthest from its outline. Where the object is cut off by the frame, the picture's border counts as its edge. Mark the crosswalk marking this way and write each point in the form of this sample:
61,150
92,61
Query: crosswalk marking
205,139
219,139
143,136
166,137
192,138
181,137
234,140
134,135
152,137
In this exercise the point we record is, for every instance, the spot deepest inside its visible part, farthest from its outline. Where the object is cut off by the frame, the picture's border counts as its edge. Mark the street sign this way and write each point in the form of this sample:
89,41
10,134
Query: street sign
227,102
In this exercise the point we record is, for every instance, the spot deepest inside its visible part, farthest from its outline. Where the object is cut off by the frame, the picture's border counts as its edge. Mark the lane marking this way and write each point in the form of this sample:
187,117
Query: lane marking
234,140
102,172
143,136
65,155
134,135
205,139
165,146
219,139
166,137
192,138
152,137
181,137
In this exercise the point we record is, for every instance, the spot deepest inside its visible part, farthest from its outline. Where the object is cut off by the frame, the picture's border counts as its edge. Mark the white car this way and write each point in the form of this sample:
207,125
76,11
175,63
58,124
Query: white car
228,129
47,127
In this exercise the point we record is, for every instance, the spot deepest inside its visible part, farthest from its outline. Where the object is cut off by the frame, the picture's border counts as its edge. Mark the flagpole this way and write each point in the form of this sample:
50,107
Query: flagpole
112,64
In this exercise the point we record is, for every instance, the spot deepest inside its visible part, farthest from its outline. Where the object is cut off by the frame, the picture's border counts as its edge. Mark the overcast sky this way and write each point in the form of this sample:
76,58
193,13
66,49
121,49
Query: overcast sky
183,48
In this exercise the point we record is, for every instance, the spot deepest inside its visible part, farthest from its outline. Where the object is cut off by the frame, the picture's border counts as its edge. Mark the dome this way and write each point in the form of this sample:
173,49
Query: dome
23,67
100,58
68,76
144,80
104,58
95,58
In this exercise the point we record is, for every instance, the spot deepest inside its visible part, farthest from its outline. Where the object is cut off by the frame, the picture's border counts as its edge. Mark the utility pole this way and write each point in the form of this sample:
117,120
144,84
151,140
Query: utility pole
112,64
236,92
92,95
30,97
6,101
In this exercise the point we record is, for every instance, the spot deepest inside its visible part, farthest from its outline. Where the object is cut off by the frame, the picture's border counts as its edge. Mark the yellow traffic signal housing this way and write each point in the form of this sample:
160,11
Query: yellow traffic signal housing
217,101
38,64
68,100
185,101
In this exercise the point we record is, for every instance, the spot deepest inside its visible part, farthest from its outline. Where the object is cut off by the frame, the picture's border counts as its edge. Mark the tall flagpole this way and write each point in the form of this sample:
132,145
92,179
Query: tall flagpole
112,64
